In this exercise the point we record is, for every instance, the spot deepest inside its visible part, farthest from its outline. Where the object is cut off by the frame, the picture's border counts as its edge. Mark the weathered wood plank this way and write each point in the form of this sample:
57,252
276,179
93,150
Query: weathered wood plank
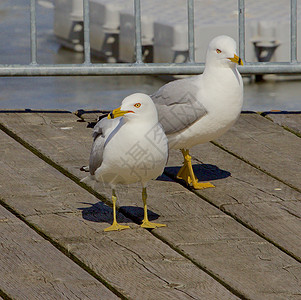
221,244
31,268
288,120
134,262
261,202
266,145
51,131
262,187
209,237
140,263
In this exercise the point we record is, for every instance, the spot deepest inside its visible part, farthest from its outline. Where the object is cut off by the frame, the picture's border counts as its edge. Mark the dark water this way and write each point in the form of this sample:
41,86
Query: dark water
71,93
92,92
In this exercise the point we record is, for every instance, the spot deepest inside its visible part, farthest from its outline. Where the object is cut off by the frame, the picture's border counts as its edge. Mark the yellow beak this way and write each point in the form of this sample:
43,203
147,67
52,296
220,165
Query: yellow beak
236,60
118,113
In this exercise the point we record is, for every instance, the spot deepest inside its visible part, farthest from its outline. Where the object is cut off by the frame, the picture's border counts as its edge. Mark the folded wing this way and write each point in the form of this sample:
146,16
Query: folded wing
101,134
177,105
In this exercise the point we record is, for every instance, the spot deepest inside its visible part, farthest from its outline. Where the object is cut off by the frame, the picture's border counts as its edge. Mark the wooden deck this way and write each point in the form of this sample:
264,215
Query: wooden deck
240,240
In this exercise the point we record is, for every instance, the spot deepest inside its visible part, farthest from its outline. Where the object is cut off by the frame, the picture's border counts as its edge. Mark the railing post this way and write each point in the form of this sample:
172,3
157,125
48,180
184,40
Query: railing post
138,44
87,32
191,67
33,32
241,29
293,43
191,50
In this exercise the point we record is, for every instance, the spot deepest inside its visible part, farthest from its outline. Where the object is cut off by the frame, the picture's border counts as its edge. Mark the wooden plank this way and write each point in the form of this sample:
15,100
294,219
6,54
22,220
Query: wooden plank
288,120
142,267
51,131
266,145
262,187
261,202
210,238
31,268
134,262
216,241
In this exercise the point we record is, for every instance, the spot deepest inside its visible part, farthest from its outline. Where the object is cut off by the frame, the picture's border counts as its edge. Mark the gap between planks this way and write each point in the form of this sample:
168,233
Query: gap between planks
267,116
4,296
293,126
65,251
100,197
62,250
74,178
255,166
228,213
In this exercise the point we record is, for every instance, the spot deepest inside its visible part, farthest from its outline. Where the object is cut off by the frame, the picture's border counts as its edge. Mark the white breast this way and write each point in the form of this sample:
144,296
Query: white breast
140,157
222,98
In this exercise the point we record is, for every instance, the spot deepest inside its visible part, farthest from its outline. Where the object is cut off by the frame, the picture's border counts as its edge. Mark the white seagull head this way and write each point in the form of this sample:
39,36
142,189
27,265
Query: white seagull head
222,52
137,106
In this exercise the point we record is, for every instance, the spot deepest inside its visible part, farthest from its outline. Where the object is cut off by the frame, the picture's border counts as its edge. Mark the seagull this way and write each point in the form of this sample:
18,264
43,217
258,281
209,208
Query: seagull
201,108
129,146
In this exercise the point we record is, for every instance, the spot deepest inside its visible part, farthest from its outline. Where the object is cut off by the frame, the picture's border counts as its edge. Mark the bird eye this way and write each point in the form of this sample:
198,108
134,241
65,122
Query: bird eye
218,51
137,105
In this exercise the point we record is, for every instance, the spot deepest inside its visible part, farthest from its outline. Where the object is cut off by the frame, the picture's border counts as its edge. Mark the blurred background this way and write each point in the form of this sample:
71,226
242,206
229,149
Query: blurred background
164,39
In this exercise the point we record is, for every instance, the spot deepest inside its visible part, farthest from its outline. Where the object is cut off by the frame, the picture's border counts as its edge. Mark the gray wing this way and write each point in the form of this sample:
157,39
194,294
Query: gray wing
177,105
97,148
101,133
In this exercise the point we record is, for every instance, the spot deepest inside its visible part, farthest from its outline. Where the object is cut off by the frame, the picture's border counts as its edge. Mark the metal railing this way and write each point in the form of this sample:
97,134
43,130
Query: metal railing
139,68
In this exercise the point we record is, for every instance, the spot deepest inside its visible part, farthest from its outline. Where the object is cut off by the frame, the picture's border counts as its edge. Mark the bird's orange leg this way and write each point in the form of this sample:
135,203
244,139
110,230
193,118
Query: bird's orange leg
115,226
146,223
186,173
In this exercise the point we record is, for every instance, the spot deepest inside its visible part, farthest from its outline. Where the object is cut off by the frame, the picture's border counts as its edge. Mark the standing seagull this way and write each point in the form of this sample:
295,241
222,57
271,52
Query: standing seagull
201,108
130,149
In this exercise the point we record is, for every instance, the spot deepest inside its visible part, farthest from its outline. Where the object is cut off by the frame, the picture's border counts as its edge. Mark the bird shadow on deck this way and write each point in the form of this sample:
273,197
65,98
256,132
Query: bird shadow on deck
100,212
204,172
